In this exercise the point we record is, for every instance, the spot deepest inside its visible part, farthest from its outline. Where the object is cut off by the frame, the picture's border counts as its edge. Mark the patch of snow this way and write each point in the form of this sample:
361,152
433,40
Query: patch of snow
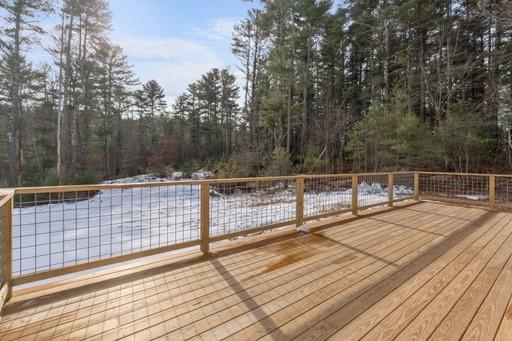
177,175
401,190
374,188
474,197
377,189
202,174
138,179
304,229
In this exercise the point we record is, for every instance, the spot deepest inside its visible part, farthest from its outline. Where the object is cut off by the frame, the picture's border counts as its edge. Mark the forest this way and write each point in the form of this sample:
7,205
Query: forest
322,87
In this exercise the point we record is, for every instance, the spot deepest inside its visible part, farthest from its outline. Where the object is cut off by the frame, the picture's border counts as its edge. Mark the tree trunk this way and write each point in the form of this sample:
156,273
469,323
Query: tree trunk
60,104
15,109
304,126
289,118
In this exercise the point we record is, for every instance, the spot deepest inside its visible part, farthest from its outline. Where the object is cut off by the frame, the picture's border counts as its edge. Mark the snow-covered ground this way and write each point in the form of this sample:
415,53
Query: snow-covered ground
474,197
122,221
176,175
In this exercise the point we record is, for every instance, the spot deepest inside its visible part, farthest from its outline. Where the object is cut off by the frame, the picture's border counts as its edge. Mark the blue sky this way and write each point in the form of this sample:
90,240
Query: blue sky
172,41
175,41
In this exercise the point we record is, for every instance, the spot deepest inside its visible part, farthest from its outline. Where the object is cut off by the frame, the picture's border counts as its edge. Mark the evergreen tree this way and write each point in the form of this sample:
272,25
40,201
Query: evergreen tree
115,78
16,73
81,32
325,86
152,109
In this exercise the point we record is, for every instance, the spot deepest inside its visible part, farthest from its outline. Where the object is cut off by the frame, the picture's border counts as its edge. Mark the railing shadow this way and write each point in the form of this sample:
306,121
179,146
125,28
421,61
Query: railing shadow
246,298
409,227
356,249
372,293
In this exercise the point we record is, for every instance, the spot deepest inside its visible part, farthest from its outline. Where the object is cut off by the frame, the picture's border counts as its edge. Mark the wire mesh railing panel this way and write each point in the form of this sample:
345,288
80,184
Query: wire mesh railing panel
372,190
55,230
238,206
503,194
4,216
327,194
403,186
472,188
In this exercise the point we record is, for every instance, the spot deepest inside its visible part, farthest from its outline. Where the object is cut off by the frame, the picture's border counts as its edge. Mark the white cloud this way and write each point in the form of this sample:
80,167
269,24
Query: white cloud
220,29
173,62
169,49
175,77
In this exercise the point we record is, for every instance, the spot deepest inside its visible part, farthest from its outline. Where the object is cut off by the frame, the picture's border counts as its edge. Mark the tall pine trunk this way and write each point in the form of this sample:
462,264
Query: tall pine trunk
15,108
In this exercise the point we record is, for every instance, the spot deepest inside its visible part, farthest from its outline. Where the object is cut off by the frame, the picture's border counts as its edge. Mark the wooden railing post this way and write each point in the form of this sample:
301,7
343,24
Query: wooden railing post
492,190
299,200
8,247
391,186
355,183
416,185
205,217
6,209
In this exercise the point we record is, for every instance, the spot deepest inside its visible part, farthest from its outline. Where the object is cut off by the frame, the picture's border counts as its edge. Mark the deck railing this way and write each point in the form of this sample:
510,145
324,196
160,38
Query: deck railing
51,231
493,190
6,209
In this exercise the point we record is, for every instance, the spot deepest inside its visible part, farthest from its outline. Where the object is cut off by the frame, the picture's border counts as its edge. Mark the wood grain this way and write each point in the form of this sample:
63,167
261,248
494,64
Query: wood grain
351,232
432,270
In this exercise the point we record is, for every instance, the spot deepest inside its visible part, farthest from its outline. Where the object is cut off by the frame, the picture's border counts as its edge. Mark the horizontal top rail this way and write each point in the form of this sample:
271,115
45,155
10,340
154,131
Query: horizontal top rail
465,174
99,187
316,176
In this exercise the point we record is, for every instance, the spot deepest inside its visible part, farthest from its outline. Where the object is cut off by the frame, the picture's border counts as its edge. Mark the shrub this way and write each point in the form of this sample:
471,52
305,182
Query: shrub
312,163
241,164
278,163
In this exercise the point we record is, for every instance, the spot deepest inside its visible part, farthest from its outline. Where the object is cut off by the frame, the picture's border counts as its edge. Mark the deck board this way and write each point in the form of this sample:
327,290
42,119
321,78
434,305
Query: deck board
309,317
372,316
225,314
429,270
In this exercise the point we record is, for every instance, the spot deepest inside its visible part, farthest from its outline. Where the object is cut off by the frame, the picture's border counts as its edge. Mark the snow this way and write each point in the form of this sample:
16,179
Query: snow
202,174
122,221
138,179
474,197
174,176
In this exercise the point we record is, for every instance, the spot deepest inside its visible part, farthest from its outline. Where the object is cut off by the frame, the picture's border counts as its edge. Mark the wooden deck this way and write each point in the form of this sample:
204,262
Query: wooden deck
426,271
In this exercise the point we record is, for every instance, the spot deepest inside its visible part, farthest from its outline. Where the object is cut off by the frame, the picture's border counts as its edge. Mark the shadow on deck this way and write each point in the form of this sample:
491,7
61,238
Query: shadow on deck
422,270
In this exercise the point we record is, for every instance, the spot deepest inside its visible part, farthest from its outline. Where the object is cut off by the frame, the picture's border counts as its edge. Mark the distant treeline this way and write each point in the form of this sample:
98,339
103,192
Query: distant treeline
363,85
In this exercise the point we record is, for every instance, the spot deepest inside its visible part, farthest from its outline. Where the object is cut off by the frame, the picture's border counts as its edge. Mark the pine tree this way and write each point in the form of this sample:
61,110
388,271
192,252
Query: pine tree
113,87
249,40
16,73
152,109
81,32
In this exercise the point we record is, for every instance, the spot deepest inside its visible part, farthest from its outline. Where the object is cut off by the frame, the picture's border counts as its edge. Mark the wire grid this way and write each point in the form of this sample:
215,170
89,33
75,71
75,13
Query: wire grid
54,230
372,189
238,206
3,229
403,186
473,188
327,194
504,190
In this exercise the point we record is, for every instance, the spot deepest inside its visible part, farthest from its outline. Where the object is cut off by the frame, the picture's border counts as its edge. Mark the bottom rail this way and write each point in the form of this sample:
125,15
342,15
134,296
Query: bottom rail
98,263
